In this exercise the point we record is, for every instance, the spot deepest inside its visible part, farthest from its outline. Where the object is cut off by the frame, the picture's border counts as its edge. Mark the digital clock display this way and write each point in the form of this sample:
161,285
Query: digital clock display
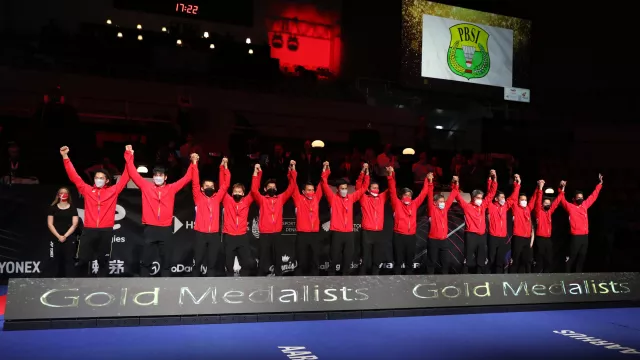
236,12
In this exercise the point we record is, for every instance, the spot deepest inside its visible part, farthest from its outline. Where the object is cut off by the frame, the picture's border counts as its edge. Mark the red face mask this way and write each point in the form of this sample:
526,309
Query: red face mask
63,197
375,191
309,194
406,199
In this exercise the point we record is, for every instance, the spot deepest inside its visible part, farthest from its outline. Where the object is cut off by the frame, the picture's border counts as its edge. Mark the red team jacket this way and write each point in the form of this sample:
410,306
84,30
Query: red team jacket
543,225
578,219
208,208
307,210
498,213
99,203
372,207
235,215
522,216
405,216
440,218
157,201
342,208
474,214
270,218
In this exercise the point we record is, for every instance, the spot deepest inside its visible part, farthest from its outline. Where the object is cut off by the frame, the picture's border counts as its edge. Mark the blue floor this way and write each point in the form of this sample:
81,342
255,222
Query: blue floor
526,335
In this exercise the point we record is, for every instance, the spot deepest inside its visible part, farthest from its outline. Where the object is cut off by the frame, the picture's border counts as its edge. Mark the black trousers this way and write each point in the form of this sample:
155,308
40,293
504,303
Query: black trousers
238,245
95,244
308,253
156,247
373,251
342,248
475,253
404,248
578,246
544,255
205,252
61,257
277,251
497,249
438,250
520,254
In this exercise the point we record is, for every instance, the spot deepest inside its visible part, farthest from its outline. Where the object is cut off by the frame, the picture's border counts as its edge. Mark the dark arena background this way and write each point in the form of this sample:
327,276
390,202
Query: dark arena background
451,88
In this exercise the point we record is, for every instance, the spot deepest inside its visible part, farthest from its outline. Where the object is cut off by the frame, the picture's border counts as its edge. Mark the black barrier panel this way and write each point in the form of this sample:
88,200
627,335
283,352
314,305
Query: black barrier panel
31,299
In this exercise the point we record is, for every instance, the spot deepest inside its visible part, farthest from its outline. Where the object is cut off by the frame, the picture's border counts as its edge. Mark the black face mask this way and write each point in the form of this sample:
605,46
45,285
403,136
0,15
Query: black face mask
579,201
209,192
237,197
546,207
271,192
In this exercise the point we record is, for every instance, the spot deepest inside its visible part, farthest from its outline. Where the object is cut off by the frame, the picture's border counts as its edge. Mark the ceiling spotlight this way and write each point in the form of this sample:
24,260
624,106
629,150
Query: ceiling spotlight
179,42
439,127
408,151
250,51
317,144
142,169
277,41
439,111
292,43
164,29
206,35
108,21
140,37
549,191
248,41
212,46
119,34
139,27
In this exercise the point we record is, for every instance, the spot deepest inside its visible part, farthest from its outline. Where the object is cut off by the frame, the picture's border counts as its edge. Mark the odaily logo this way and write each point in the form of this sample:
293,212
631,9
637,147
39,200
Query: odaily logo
597,342
20,267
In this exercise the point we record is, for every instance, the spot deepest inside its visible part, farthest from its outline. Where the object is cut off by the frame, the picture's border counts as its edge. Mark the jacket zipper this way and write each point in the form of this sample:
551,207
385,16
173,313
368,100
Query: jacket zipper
159,199
98,218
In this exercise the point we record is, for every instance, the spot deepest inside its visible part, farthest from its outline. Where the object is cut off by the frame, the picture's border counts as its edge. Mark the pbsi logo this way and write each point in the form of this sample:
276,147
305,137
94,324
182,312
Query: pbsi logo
120,214
468,54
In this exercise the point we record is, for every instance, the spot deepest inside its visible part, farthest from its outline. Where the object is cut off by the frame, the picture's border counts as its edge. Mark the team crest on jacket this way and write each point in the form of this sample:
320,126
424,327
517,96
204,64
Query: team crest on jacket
468,54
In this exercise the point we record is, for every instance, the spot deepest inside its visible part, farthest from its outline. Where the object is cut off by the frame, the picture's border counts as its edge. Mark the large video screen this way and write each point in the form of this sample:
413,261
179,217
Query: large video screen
452,43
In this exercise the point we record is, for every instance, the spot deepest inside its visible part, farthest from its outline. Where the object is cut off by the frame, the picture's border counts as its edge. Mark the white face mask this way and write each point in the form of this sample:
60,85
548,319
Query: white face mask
99,182
523,203
158,180
374,195
478,202
343,193
441,206
501,201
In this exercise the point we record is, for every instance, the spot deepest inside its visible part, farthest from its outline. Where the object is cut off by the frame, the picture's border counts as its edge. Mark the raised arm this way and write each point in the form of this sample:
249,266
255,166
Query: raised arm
423,193
563,200
534,199
176,186
224,179
557,201
538,202
124,180
360,180
195,184
594,195
131,168
292,182
454,192
513,199
365,184
255,184
71,171
393,192
325,182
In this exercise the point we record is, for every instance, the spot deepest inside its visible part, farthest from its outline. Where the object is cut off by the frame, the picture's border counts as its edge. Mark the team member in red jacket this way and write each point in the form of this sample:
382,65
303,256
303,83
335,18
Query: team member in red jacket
476,226
521,242
341,203
99,214
309,238
405,217
543,210
579,225
272,243
235,210
207,225
373,243
438,245
498,240
157,212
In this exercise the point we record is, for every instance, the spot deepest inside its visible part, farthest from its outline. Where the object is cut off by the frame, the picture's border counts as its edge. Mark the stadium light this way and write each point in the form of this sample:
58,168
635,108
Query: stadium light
139,27
439,111
317,144
119,34
164,29
206,35
108,21
408,151
143,169
439,127
140,37
179,42
212,46
549,191
250,51
248,41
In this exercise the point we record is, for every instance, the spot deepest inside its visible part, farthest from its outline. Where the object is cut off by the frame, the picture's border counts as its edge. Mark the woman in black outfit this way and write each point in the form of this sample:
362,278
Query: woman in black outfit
62,222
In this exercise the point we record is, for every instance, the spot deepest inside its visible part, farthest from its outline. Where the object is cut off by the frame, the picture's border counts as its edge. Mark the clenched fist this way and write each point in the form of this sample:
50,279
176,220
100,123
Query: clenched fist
64,151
